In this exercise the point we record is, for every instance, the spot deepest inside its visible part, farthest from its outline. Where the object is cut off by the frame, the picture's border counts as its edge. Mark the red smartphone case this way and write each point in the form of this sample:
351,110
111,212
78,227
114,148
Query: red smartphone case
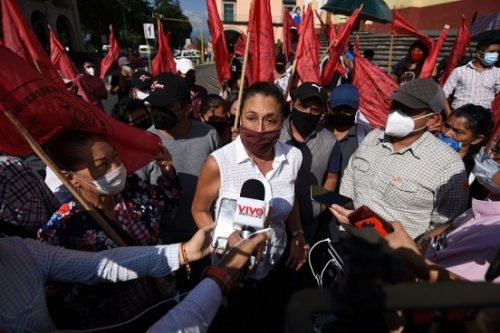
365,217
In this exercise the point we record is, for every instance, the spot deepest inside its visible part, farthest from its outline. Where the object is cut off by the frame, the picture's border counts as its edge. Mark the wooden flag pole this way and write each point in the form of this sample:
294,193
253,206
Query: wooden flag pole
389,63
242,84
46,159
290,79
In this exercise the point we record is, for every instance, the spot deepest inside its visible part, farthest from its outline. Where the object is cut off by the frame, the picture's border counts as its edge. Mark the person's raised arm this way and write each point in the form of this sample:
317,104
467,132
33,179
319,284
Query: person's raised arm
207,189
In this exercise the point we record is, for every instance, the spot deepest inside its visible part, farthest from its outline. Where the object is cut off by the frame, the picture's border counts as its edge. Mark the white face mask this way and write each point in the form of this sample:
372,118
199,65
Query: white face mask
141,95
111,183
90,71
400,125
485,169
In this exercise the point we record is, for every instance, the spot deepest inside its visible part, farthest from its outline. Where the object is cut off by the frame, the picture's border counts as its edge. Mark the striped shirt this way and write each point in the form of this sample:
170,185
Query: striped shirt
420,186
471,86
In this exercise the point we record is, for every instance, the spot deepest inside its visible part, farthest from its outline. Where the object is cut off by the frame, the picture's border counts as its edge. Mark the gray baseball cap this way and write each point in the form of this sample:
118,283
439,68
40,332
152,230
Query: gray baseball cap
420,94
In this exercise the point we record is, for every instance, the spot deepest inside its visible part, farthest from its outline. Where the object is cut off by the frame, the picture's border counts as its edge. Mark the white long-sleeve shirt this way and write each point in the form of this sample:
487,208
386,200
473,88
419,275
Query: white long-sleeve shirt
26,265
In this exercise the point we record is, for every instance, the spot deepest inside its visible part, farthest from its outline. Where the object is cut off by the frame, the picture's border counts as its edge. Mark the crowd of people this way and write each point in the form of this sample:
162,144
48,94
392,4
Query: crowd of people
432,171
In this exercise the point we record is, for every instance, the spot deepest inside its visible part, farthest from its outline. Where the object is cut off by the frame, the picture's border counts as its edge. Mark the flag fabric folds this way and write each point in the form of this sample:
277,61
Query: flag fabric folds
112,55
59,57
307,49
339,48
44,109
221,53
431,60
374,86
261,57
401,26
460,45
239,47
164,59
20,39
288,23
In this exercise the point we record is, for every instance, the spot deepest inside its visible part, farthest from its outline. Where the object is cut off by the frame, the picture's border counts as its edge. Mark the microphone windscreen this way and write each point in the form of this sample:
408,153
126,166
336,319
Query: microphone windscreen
253,189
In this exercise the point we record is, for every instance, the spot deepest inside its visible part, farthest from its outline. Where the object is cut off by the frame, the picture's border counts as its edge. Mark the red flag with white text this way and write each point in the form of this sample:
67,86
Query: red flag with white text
374,86
112,55
462,41
221,53
431,60
261,57
307,49
164,59
44,109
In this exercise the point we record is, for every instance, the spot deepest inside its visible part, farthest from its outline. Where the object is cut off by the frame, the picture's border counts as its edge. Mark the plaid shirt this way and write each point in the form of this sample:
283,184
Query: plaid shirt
25,200
422,185
472,86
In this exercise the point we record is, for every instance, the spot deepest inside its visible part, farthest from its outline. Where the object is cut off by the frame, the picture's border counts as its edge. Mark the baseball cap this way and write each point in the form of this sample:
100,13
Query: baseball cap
184,65
308,90
168,88
142,79
345,94
123,61
420,94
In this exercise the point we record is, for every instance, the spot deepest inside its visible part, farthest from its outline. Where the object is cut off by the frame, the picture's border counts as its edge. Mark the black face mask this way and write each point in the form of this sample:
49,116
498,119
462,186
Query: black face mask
341,120
164,119
190,81
219,126
280,68
305,123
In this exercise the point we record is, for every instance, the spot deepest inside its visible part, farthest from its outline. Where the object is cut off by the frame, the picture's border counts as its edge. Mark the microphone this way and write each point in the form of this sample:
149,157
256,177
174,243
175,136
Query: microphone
250,213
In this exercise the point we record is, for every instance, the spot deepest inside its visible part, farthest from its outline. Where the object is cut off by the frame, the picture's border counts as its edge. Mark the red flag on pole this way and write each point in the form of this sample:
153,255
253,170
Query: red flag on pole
401,26
374,87
336,50
331,31
430,61
164,59
221,53
324,28
462,41
239,47
112,55
19,38
44,109
307,49
288,23
59,57
261,57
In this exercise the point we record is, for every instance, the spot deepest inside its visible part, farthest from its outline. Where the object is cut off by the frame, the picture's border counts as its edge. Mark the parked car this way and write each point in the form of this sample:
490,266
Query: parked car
194,55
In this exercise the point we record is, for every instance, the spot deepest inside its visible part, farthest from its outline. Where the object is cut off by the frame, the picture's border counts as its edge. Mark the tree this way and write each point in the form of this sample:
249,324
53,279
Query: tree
179,27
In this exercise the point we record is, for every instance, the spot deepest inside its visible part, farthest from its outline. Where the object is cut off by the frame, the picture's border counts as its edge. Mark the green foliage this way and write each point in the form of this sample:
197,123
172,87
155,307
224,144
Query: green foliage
180,30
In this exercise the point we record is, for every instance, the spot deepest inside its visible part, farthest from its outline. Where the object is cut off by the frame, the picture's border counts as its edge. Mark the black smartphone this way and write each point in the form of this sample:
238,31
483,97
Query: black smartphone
326,197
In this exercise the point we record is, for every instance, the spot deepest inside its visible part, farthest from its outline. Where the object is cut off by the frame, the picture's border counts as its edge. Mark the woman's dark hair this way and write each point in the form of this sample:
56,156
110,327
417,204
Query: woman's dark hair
420,45
66,148
479,121
233,97
211,101
407,61
266,89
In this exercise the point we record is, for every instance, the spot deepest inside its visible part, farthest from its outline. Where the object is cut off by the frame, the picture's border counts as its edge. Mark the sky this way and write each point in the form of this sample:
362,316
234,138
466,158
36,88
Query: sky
196,11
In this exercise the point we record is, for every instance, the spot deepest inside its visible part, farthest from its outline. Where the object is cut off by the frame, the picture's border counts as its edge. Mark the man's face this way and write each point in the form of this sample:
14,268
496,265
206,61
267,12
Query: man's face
126,71
490,49
311,105
215,114
420,117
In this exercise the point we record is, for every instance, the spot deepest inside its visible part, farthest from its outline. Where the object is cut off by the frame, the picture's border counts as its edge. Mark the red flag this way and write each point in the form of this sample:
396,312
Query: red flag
401,26
462,41
112,55
239,48
495,109
164,60
430,61
261,57
59,57
324,28
336,51
221,53
44,109
288,23
331,32
22,41
374,87
307,49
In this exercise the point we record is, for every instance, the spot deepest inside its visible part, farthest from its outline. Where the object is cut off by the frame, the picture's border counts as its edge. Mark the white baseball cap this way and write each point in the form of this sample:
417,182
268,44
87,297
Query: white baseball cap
184,65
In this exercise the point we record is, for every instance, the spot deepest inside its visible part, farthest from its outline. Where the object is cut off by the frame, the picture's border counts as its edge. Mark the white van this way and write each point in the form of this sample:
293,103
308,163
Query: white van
145,50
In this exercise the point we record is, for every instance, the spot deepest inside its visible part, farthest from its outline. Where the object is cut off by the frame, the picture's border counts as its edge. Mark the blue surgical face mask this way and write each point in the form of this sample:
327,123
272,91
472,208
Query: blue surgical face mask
490,58
456,145
485,168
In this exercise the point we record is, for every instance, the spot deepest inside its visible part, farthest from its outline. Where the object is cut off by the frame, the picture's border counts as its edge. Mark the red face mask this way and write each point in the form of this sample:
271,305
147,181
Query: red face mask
258,143
416,56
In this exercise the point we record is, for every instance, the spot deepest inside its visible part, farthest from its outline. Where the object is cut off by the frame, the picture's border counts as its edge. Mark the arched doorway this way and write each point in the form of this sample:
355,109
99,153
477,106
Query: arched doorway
232,36
39,25
64,31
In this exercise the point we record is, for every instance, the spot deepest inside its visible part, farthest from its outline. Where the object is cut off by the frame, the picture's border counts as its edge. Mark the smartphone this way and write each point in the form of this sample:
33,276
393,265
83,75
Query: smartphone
224,223
326,197
365,217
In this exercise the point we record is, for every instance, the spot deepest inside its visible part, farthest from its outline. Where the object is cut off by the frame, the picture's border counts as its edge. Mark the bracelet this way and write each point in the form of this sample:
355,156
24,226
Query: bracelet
297,232
186,261
219,275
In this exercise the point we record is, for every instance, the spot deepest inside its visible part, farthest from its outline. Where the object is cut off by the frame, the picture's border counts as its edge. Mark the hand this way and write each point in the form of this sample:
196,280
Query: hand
199,245
298,252
399,238
164,161
340,213
237,256
234,133
435,124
